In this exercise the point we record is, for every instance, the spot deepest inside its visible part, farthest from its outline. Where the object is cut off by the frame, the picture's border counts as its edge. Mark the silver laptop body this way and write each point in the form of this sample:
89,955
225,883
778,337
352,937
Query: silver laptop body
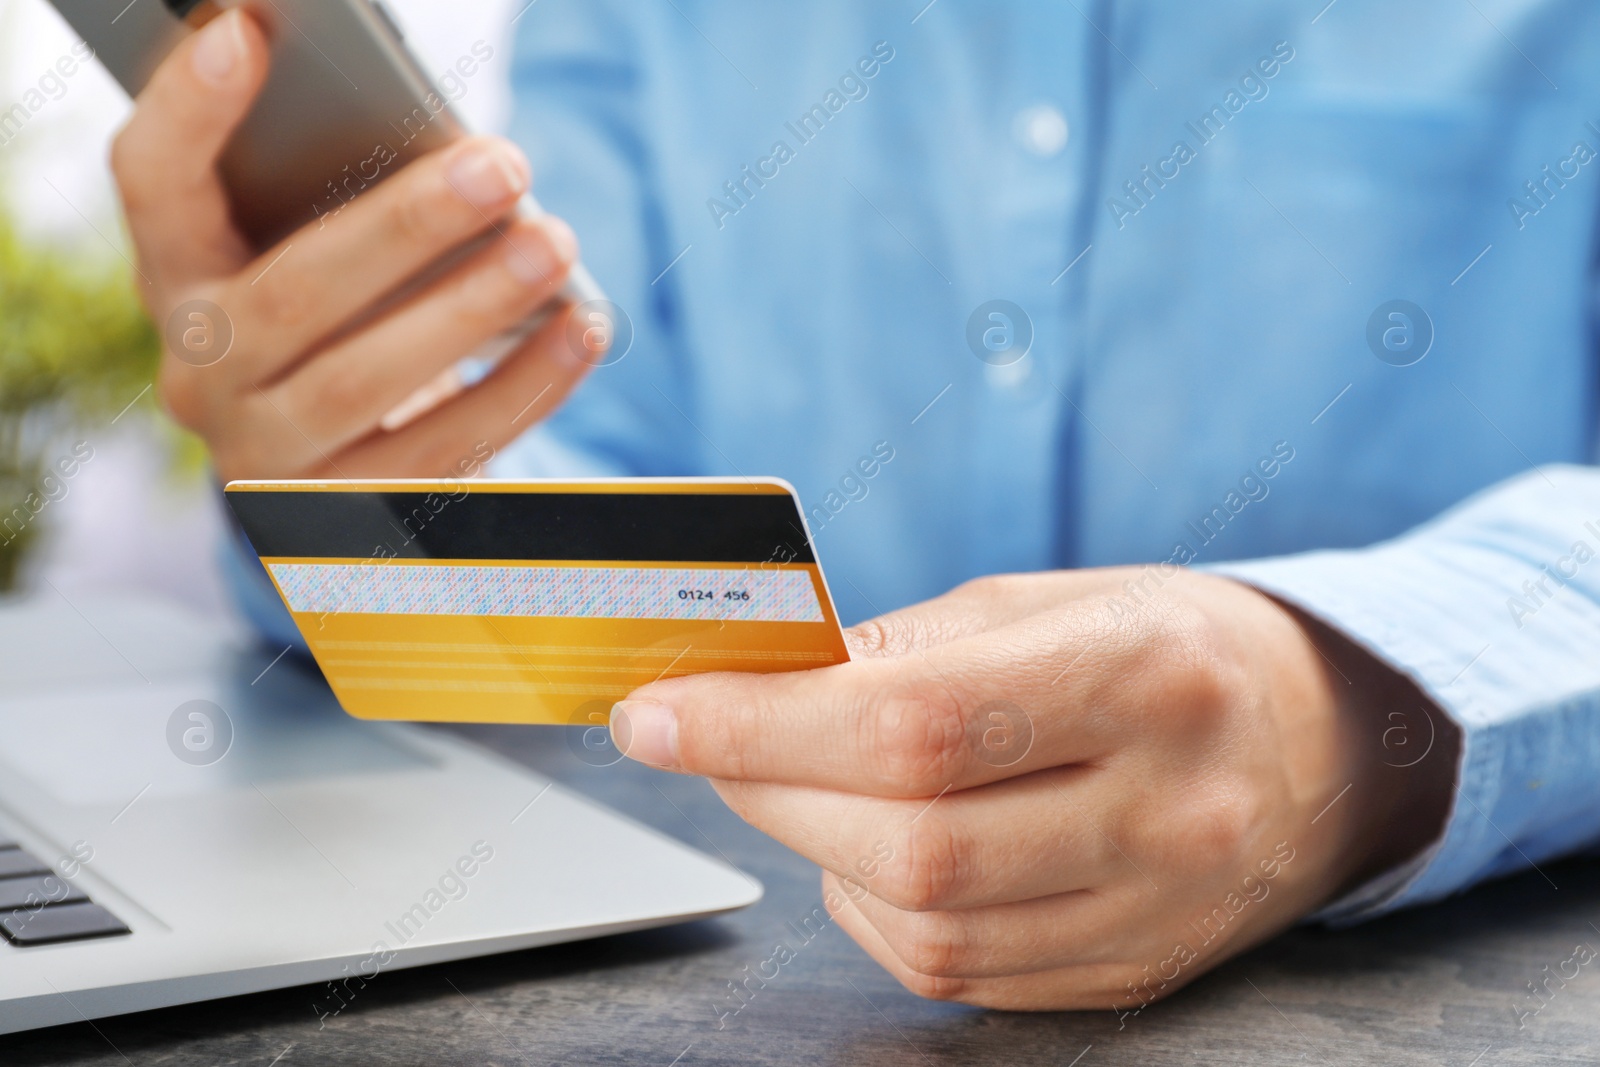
163,778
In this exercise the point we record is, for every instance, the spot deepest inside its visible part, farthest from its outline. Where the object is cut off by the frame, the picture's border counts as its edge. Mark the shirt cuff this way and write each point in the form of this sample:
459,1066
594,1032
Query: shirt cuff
1355,593
1490,610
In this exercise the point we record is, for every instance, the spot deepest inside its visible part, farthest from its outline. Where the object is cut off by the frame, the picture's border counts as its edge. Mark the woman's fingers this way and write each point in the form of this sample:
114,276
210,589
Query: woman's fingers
334,351
999,940
1061,687
342,394
319,280
527,385
1044,834
971,608
165,158
1083,987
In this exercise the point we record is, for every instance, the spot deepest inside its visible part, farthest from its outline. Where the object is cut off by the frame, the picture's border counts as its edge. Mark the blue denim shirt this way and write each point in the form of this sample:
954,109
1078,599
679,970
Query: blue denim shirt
1239,285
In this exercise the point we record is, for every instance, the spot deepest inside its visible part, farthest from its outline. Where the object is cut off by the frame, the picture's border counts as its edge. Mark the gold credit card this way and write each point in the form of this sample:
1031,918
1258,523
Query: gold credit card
538,601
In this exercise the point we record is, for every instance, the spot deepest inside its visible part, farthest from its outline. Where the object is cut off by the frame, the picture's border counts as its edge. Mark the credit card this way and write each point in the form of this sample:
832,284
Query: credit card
538,601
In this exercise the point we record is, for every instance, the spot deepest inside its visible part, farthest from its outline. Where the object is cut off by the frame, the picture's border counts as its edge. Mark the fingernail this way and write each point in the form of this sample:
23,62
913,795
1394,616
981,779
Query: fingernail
645,731
219,50
532,257
488,174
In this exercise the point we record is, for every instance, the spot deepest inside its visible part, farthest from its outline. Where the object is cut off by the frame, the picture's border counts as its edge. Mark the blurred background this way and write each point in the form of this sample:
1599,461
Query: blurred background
99,492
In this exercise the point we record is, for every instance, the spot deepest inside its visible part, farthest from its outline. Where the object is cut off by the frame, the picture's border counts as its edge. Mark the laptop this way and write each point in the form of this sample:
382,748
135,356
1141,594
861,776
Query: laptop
184,817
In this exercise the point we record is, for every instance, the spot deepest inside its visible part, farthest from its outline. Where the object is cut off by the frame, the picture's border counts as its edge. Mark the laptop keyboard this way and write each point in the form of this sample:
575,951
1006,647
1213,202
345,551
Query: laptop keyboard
15,863
39,907
24,892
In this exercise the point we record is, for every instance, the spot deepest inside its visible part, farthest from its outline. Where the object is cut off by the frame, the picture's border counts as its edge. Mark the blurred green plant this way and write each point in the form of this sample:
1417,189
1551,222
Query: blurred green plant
75,350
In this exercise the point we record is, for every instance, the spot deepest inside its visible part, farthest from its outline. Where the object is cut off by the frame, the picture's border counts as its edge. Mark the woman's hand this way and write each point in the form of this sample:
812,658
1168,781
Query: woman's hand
277,359
1070,790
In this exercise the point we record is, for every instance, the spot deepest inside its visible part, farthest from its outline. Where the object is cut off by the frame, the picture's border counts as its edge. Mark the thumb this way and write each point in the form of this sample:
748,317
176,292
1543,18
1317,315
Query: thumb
165,158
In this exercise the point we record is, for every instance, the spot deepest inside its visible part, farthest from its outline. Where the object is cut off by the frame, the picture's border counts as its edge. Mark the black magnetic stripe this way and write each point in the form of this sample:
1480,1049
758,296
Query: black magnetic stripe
687,527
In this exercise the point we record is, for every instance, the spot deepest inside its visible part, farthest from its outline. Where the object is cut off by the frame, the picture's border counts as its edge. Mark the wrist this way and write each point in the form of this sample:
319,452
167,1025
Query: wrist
1398,752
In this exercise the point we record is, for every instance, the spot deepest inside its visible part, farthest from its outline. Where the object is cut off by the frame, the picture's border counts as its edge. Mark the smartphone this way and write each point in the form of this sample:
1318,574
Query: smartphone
345,106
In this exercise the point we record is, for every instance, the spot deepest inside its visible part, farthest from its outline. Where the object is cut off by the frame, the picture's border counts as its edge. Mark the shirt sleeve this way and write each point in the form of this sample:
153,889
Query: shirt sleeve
1493,610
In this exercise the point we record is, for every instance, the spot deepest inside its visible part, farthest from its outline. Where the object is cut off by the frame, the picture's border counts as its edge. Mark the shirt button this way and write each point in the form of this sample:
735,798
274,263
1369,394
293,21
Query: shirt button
1041,129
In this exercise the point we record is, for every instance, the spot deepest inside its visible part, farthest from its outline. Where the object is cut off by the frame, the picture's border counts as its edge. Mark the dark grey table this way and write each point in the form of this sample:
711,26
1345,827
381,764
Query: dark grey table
1442,985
